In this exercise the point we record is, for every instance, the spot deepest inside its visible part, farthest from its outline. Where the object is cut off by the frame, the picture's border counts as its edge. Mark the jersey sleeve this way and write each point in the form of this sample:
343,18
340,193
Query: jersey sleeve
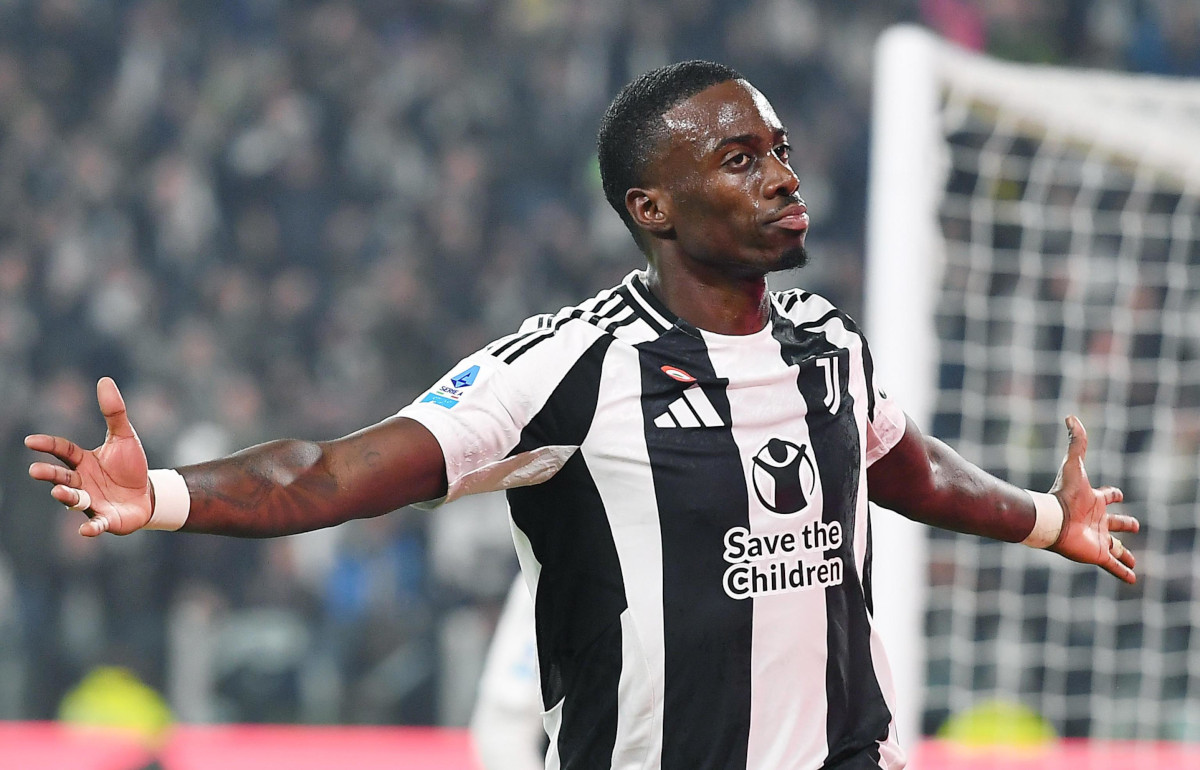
480,408
887,427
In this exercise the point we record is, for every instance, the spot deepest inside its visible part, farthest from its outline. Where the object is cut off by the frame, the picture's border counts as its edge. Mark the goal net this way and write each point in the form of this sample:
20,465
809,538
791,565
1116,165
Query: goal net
1034,252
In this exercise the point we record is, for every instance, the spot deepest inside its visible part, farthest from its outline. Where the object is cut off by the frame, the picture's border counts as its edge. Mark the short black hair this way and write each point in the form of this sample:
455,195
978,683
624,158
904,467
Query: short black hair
633,126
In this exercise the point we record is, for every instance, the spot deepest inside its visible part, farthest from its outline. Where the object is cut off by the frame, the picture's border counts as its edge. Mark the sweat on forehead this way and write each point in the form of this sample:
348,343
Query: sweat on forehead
720,113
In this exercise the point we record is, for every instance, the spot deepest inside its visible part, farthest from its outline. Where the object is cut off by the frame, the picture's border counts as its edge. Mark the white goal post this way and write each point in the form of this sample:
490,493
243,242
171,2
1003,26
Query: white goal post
1034,251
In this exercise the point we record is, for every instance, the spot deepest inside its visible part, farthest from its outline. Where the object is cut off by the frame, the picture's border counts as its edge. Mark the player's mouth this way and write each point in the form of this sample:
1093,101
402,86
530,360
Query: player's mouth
794,217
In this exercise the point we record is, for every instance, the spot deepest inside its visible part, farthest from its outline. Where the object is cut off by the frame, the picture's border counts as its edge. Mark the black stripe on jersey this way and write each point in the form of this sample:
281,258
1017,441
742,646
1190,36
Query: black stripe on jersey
858,717
620,314
707,636
868,364
647,307
544,334
542,323
789,299
868,593
609,310
549,332
514,339
580,592
617,302
809,326
606,319
546,326
619,322
533,339
617,314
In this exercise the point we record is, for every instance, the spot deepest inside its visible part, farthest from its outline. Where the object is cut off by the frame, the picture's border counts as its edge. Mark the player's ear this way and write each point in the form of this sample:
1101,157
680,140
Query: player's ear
650,209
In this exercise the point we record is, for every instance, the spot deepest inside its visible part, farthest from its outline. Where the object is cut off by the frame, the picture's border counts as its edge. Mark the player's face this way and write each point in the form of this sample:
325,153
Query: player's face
729,191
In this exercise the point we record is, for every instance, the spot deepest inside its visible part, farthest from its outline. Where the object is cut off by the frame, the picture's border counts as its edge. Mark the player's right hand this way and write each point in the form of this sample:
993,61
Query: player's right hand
113,475
1088,526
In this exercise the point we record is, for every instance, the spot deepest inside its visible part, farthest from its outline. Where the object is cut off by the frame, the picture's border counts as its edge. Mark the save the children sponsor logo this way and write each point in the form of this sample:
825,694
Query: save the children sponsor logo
448,393
784,476
781,562
801,555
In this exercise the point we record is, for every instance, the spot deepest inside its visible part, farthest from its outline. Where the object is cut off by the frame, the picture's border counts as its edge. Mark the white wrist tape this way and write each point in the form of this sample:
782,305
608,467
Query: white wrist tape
1048,525
171,500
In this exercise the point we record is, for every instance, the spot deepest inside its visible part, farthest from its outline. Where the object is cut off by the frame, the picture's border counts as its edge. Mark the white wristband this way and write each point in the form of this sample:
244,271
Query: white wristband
1049,522
171,500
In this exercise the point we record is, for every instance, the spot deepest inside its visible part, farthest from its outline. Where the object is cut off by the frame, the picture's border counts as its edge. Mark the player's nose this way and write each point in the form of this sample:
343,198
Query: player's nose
781,181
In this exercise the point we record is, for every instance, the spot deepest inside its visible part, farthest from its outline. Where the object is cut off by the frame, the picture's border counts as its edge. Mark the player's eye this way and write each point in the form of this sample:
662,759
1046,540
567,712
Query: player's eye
784,152
738,161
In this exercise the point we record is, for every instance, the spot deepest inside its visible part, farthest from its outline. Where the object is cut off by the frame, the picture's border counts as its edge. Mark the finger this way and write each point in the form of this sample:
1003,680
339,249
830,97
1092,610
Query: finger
67,451
55,474
112,406
83,501
97,525
1077,440
1110,494
74,499
1121,523
1119,570
1121,553
1127,558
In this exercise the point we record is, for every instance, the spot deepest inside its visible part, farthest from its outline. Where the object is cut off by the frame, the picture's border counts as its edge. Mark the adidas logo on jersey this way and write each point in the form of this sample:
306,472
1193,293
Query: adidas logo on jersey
691,410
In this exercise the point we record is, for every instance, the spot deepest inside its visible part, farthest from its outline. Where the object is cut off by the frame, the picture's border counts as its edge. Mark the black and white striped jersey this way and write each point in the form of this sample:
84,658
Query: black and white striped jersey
690,513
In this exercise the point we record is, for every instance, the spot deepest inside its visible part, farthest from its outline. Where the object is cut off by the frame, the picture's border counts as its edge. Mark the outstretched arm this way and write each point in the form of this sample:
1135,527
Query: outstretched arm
927,481
277,488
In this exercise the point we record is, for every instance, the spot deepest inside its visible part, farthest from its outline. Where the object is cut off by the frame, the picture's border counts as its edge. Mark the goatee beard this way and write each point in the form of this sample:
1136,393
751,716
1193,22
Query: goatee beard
793,258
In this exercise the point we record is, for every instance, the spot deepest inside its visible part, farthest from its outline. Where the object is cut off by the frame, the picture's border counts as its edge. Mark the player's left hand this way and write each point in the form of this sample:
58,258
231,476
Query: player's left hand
109,483
1088,527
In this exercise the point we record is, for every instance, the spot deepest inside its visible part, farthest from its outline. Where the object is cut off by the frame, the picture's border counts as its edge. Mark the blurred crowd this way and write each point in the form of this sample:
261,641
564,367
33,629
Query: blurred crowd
268,218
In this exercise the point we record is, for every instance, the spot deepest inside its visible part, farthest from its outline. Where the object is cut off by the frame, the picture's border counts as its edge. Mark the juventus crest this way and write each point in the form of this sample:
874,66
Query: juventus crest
833,382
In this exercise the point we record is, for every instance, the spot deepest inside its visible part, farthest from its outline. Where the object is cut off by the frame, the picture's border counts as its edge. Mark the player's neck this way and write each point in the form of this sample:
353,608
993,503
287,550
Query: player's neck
710,300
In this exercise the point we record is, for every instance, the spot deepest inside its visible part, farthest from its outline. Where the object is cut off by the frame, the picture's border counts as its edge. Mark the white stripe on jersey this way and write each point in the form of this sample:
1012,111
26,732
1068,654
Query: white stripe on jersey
630,498
789,686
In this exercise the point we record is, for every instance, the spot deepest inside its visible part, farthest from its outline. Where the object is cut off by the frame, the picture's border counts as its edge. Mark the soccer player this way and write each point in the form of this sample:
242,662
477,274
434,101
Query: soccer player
688,459
506,723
